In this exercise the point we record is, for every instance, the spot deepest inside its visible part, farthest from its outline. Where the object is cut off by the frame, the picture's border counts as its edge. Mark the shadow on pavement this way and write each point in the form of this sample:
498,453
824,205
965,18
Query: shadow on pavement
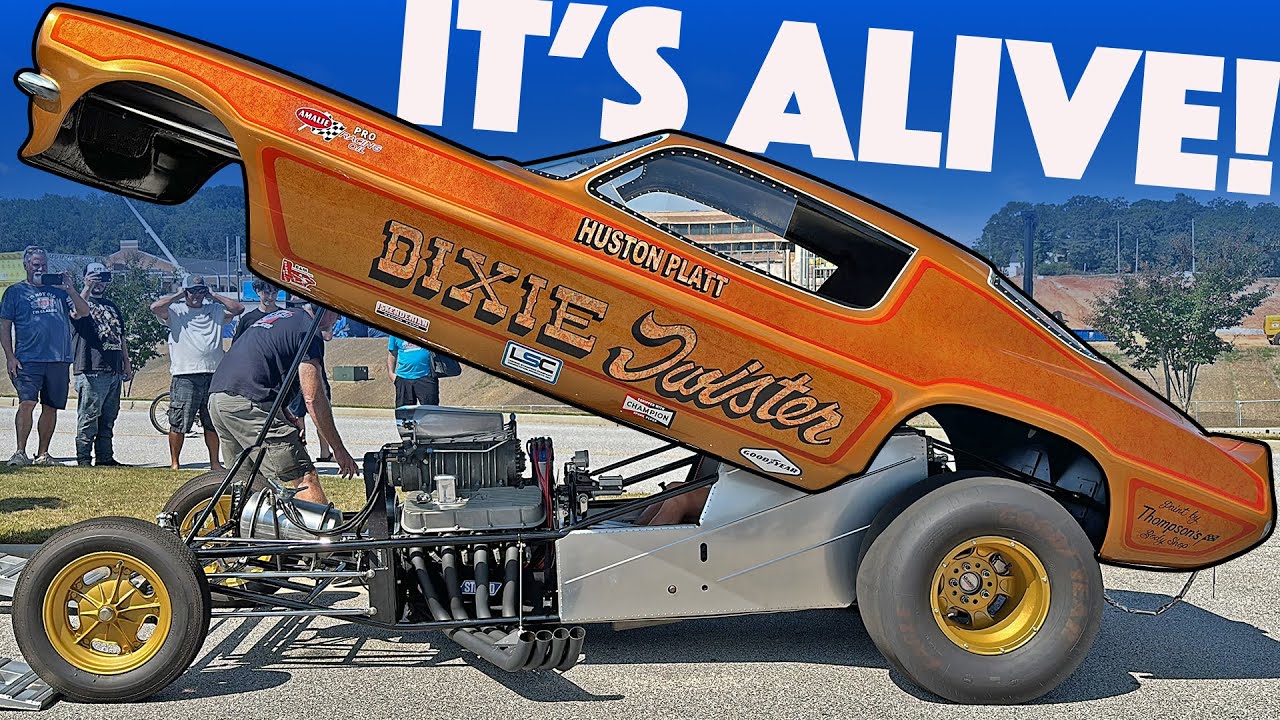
1187,643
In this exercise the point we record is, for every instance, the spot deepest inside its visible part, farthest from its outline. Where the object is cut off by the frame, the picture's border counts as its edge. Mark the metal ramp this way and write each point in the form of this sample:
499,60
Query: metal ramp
20,689
10,568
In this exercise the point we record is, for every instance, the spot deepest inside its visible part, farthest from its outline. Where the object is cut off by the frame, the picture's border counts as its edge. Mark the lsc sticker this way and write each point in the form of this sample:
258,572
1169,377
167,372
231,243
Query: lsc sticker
531,362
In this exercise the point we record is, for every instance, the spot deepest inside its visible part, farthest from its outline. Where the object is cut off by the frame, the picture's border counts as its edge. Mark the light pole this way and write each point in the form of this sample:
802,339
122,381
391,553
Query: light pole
1156,232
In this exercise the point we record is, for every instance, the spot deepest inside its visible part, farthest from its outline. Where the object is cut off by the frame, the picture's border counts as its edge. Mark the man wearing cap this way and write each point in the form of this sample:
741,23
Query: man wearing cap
40,315
101,366
195,317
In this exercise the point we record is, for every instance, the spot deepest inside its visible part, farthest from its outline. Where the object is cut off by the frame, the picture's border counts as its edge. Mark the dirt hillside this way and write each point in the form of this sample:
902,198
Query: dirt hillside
1074,296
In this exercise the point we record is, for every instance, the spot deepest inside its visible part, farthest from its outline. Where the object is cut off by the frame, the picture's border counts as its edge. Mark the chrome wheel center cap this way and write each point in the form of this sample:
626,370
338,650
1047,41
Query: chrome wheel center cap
970,583
106,614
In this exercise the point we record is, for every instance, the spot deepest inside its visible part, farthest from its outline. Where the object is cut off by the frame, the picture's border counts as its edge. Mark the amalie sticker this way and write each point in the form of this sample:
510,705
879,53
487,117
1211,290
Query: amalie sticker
323,124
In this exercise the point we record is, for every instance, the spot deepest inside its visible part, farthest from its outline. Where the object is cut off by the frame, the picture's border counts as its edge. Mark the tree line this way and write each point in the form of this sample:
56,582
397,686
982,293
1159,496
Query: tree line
1079,236
96,222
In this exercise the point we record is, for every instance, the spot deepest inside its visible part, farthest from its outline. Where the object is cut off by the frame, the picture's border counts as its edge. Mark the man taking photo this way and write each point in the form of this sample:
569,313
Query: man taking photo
248,383
195,316
101,366
39,311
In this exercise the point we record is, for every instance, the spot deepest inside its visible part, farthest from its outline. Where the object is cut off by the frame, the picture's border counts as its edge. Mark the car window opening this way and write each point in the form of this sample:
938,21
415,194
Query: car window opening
756,222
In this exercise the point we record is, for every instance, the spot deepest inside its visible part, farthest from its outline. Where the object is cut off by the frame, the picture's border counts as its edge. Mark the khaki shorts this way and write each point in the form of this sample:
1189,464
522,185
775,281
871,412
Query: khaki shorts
238,422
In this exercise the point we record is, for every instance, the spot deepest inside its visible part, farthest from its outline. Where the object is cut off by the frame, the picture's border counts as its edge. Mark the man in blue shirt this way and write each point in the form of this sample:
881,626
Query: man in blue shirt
410,368
39,357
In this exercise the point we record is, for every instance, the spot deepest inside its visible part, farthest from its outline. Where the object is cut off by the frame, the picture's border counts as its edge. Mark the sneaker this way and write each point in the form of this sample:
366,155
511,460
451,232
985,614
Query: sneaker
83,463
45,459
112,463
19,459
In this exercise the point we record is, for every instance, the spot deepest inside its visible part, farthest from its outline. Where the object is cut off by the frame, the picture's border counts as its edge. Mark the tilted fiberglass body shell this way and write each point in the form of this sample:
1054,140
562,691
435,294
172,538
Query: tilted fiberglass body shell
484,260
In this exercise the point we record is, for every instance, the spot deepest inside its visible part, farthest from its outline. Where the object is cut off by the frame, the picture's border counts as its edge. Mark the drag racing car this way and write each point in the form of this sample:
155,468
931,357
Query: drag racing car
973,560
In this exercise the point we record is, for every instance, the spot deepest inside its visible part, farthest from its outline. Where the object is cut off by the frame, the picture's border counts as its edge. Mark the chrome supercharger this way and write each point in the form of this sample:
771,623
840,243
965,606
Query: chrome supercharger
277,515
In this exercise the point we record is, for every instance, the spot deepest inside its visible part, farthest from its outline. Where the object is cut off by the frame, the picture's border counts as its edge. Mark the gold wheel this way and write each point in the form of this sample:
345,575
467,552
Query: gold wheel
217,518
990,595
107,613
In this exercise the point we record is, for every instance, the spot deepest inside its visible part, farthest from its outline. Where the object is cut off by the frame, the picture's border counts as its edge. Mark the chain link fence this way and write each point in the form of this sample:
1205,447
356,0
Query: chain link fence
1236,413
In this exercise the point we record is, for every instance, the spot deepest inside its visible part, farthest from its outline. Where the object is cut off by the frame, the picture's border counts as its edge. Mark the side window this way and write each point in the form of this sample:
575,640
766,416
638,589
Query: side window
754,221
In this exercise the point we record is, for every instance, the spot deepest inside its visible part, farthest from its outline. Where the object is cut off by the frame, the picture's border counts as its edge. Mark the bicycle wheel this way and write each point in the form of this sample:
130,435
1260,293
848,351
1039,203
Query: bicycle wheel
160,413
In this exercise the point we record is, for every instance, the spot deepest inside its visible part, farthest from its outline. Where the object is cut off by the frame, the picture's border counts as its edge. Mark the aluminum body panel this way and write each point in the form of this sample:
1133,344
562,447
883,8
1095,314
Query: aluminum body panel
769,548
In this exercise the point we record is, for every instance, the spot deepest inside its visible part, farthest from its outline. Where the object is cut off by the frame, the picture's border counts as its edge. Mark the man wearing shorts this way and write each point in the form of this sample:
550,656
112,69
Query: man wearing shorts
39,357
247,384
195,316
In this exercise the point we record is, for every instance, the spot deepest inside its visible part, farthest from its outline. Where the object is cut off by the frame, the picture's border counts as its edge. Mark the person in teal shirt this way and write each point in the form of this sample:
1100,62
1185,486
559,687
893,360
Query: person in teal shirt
410,368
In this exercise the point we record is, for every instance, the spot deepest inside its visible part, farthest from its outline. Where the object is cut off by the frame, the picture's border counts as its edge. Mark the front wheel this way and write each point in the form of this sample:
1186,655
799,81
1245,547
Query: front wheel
111,610
186,504
983,591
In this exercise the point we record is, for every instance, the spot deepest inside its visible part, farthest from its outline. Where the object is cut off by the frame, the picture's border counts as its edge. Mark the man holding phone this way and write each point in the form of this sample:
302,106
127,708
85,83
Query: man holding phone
195,316
101,367
36,318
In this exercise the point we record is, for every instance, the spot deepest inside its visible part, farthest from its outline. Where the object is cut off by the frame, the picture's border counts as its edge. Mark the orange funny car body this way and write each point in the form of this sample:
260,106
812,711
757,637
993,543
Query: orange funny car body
556,276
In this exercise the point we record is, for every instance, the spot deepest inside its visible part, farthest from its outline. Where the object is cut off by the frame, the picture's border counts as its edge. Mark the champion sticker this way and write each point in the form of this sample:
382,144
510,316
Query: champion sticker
296,274
770,461
404,317
651,411
323,124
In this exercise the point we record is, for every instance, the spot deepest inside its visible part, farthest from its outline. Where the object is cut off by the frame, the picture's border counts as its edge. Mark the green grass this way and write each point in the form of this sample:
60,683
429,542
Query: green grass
36,502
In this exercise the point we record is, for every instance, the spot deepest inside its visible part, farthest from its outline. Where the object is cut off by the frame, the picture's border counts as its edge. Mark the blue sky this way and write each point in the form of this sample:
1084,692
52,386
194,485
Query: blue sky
355,47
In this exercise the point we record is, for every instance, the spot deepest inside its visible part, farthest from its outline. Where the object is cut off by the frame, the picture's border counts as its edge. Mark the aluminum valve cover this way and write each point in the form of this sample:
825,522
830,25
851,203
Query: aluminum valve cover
492,508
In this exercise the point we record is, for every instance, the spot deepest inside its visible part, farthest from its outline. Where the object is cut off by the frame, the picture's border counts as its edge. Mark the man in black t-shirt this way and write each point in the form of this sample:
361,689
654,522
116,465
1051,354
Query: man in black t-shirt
266,304
101,365
248,382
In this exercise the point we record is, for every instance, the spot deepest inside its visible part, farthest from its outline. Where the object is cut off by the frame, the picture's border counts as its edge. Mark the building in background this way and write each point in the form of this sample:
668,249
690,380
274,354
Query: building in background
746,243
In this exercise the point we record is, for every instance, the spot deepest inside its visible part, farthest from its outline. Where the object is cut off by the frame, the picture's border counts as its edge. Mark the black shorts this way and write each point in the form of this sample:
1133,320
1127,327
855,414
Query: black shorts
188,399
423,391
48,382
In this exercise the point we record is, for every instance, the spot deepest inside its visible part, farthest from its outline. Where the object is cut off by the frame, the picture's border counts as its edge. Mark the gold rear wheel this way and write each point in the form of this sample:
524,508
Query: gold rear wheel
990,595
983,590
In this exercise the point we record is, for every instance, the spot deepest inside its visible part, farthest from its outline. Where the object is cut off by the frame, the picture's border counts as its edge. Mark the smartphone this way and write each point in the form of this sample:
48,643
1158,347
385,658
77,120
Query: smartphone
104,276
50,279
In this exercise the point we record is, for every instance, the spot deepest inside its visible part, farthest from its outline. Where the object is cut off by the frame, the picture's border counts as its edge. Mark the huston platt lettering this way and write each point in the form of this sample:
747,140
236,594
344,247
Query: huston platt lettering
781,402
640,253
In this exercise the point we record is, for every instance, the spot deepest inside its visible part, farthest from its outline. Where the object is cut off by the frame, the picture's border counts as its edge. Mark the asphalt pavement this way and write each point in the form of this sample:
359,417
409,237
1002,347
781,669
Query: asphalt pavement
1213,656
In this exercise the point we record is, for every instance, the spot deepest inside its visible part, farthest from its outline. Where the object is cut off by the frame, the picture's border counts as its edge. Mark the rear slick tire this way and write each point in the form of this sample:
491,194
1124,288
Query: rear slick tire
973,536
111,610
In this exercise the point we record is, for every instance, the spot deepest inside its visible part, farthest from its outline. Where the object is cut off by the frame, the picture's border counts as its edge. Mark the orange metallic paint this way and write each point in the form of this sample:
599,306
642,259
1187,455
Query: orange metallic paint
325,206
